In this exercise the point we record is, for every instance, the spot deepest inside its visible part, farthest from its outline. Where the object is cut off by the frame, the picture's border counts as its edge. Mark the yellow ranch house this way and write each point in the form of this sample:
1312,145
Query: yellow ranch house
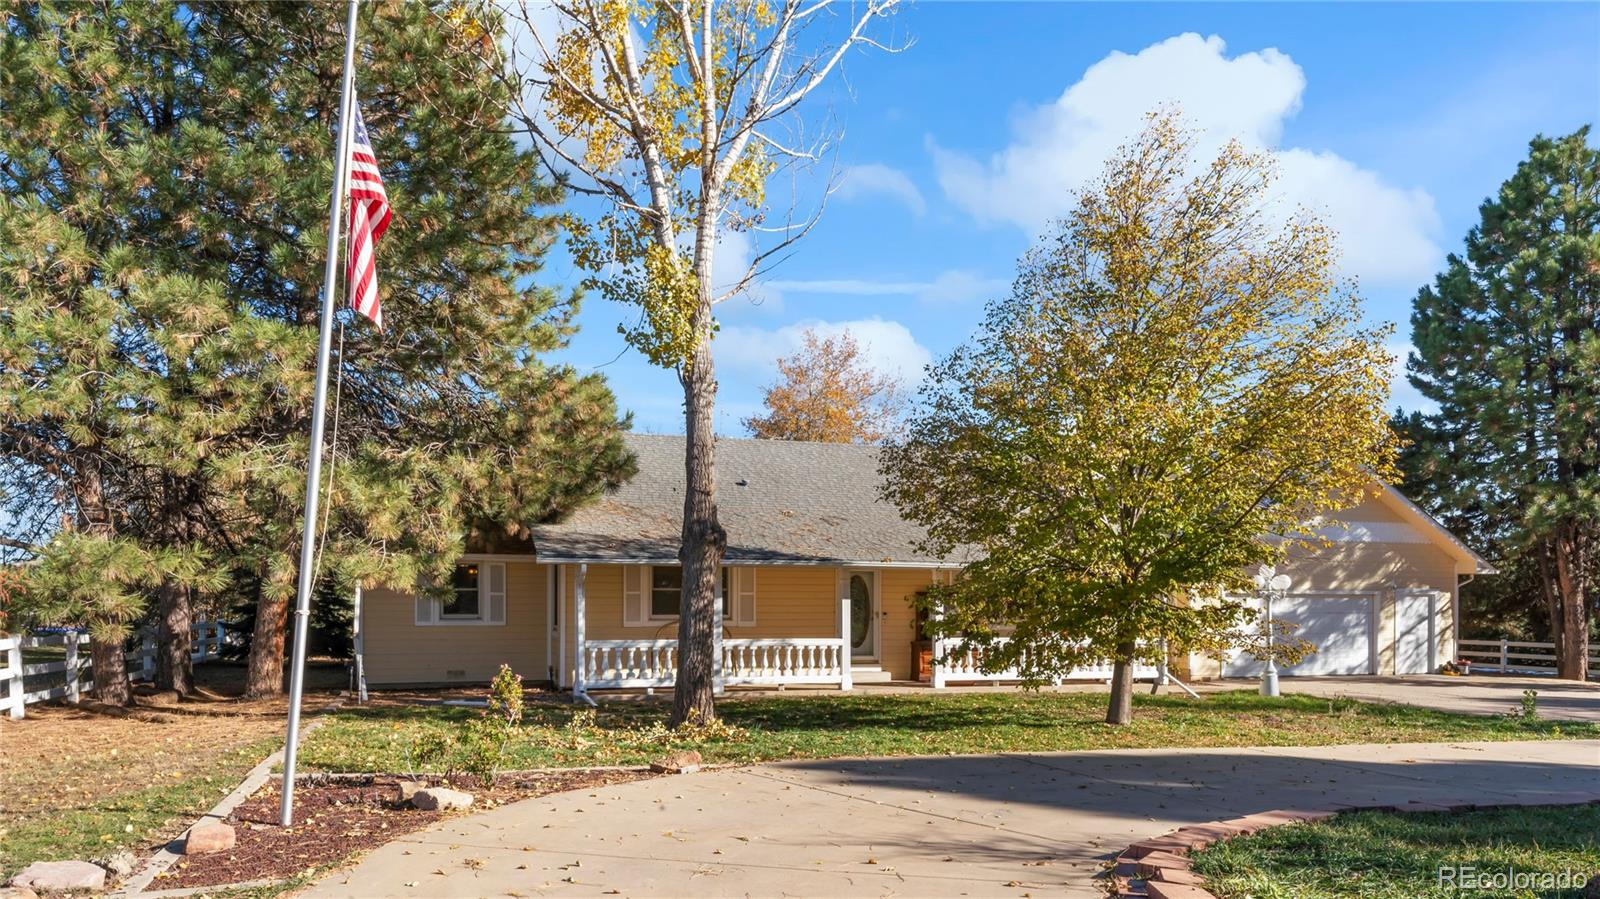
818,588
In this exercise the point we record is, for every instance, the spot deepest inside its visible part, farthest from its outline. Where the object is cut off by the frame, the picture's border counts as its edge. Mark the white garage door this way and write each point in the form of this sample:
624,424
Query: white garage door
1339,626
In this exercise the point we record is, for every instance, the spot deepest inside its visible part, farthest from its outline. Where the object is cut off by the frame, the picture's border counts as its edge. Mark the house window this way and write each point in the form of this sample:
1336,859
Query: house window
466,595
666,592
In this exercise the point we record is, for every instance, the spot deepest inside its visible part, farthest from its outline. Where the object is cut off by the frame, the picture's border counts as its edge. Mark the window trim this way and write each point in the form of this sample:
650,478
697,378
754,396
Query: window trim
485,597
651,617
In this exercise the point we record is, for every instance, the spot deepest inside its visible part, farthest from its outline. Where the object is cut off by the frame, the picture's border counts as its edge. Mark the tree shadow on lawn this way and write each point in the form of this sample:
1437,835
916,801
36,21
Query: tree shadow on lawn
1242,711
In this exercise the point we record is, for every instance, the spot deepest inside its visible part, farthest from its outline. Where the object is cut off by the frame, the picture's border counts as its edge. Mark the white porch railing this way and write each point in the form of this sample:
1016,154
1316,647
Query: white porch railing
613,664
208,637
1507,656
951,665
805,660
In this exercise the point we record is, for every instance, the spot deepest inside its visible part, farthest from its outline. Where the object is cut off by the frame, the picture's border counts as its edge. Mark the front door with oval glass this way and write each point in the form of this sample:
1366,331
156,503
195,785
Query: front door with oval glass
863,617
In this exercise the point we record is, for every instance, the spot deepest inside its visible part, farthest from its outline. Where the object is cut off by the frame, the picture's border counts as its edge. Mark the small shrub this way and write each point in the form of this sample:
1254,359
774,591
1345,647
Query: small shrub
1530,705
476,746
484,739
505,696
432,750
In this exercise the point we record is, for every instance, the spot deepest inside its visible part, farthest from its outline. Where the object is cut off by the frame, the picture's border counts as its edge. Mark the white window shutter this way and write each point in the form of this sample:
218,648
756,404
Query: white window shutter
427,609
495,607
635,604
744,597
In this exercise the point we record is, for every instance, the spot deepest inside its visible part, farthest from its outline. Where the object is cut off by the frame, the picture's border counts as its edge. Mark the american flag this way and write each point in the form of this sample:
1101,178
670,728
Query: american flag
369,218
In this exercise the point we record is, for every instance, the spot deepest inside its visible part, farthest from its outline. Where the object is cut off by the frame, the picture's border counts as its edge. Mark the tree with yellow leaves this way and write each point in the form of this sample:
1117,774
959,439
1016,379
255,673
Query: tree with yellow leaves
1177,389
827,392
674,115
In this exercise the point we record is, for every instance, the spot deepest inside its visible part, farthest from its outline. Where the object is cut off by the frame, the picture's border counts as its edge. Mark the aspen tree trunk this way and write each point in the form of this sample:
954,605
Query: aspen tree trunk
693,695
704,540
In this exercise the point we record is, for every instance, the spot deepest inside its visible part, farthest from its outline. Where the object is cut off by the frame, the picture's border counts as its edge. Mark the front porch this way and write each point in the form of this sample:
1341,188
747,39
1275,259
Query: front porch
611,662
871,613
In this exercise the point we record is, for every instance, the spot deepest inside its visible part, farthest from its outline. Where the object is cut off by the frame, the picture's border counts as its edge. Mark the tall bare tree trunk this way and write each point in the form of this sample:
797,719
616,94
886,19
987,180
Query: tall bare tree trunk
1570,621
704,539
175,640
1120,710
265,675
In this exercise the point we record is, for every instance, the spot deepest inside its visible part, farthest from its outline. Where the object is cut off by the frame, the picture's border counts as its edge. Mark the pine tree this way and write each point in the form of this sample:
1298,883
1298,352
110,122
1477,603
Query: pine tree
167,190
1508,346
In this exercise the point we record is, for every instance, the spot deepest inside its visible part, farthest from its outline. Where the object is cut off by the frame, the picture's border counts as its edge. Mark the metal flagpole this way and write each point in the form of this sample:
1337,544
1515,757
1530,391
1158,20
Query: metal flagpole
308,536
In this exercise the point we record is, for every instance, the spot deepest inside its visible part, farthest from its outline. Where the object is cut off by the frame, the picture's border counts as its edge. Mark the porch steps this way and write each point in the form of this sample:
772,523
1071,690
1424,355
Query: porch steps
869,674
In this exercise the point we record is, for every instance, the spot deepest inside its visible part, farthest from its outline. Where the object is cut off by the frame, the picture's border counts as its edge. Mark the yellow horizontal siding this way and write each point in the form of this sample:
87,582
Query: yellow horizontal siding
398,651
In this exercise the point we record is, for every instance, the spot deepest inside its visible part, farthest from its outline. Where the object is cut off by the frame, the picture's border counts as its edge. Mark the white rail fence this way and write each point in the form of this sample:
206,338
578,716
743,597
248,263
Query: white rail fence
611,664
1512,656
953,665
76,678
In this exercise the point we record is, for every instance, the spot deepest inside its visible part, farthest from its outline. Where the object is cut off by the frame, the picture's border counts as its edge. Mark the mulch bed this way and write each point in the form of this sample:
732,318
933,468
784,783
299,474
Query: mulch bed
340,818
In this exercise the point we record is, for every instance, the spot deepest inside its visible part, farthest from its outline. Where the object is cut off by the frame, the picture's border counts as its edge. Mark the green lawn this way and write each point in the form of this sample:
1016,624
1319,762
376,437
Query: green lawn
1375,855
378,738
102,824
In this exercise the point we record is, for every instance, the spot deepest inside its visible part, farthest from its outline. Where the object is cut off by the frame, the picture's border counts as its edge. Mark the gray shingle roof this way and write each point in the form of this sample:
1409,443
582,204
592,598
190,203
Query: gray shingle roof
780,501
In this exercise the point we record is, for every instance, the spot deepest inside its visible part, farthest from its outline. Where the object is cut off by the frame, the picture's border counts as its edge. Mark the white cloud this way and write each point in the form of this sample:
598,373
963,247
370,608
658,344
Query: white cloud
888,346
954,286
877,179
1387,233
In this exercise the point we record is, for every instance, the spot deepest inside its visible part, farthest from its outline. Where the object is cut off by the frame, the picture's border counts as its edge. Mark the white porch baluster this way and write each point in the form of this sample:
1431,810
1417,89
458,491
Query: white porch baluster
580,617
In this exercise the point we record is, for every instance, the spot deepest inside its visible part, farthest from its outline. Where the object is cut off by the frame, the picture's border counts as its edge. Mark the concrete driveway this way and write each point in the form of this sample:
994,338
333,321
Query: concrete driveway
1488,694
1013,824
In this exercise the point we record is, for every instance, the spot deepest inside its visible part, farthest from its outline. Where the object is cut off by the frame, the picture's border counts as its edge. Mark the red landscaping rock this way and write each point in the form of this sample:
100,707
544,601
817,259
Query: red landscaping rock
209,836
1159,890
686,761
59,877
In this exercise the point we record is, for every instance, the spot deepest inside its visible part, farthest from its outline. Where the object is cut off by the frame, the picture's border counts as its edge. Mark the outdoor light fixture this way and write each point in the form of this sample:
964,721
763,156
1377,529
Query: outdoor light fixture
1270,585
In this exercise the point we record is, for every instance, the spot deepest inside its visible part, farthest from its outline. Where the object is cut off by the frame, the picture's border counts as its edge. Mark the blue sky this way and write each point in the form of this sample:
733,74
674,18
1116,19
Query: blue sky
1395,120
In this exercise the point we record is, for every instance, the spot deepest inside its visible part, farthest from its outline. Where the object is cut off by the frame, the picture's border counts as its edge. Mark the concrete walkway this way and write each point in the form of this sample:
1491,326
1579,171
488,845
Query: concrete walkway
1013,824
1485,694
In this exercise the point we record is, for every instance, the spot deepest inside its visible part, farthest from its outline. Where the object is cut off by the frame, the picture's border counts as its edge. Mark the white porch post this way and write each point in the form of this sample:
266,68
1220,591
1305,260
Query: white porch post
578,622
844,634
717,684
938,652
359,646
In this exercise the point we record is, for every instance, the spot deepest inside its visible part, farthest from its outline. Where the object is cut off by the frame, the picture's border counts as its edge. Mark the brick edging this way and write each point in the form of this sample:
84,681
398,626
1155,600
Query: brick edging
1160,867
